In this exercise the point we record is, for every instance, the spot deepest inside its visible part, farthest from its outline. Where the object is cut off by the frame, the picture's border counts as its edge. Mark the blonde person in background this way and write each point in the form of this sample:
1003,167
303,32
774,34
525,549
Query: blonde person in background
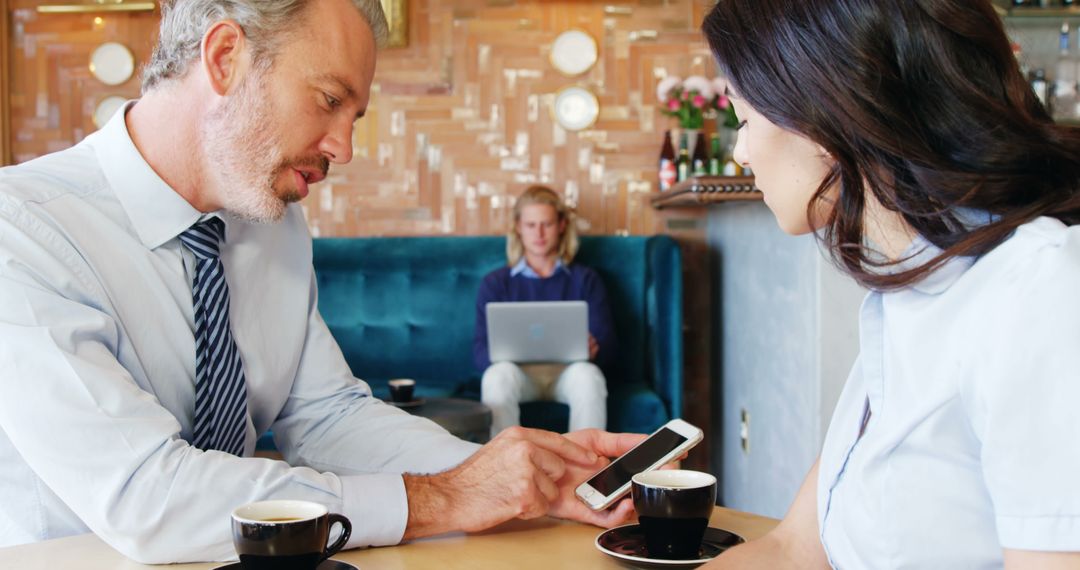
540,249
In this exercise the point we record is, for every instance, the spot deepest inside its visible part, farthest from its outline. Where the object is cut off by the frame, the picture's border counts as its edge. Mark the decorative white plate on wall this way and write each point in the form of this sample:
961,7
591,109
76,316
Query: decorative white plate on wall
112,63
574,52
576,108
106,108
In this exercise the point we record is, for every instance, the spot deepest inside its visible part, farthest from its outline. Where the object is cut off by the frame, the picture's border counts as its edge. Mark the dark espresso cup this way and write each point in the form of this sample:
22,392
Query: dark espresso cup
401,390
673,507
286,535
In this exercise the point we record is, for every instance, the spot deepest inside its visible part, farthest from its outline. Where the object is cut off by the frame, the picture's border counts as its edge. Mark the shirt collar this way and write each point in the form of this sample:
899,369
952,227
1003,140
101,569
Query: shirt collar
522,268
938,281
156,211
921,251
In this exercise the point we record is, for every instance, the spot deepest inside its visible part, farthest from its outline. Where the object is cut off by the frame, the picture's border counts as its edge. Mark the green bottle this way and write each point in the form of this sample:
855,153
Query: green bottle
682,164
715,157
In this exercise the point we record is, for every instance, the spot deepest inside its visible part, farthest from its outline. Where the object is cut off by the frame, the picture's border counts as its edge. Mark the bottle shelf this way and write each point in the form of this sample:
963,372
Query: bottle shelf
1032,12
704,190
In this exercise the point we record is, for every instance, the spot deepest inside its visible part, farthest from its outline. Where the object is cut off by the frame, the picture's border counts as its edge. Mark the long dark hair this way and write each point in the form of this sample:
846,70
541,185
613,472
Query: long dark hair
919,101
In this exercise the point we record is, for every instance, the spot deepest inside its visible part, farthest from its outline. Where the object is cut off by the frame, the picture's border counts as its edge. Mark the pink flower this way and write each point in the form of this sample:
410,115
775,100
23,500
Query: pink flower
722,102
685,95
673,105
699,101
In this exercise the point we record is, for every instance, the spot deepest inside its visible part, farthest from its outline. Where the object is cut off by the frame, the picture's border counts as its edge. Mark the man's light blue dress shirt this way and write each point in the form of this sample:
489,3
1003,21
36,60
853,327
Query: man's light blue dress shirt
97,368
522,268
972,378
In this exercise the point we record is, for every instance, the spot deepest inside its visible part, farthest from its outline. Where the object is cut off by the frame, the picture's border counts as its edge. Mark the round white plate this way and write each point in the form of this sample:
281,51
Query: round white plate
574,52
112,63
106,108
576,108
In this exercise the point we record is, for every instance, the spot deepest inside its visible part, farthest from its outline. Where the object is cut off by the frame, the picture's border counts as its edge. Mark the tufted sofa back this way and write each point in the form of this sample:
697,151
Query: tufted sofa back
405,307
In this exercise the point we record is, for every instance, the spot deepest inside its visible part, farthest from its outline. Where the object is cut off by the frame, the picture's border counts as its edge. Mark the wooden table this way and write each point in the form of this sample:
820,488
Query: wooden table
541,544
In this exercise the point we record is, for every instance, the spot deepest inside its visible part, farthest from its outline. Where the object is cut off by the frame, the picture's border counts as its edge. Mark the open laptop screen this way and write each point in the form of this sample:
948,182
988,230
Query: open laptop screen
538,331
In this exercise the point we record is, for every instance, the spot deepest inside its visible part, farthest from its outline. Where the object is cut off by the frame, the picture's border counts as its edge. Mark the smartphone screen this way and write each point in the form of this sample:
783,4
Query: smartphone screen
635,461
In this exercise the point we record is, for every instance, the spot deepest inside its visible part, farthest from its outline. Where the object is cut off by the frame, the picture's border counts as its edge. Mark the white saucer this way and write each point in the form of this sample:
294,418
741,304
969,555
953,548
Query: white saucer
573,52
627,544
112,63
575,108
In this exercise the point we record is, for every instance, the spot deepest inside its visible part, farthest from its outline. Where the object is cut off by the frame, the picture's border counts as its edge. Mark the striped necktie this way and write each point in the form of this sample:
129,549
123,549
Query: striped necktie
220,393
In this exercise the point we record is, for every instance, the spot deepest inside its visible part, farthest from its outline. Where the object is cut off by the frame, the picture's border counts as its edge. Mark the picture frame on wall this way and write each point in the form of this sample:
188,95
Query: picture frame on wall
397,16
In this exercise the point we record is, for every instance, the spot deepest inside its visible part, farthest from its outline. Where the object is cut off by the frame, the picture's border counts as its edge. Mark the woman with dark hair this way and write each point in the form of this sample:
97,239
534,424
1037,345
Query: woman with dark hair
903,134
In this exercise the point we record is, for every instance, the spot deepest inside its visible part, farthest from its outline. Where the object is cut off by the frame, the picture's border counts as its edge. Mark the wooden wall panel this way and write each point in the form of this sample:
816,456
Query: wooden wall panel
53,94
462,122
5,66
460,118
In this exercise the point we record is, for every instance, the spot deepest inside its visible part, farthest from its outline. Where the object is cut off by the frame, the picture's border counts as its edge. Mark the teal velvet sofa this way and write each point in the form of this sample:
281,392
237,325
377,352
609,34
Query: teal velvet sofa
405,308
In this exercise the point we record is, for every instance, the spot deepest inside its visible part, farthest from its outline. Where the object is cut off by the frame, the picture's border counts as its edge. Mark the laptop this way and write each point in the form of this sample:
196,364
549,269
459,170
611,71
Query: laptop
538,331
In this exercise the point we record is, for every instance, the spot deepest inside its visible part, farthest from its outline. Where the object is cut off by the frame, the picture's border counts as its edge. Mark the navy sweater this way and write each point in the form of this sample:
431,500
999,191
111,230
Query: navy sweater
576,283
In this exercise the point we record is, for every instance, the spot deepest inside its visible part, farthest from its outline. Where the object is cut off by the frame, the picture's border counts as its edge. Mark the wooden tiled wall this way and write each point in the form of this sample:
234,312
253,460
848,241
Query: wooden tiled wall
459,122
5,92
53,93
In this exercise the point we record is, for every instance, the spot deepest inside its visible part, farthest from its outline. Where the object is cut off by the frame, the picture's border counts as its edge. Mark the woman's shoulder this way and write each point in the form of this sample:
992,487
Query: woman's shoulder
1016,317
1043,254
1026,288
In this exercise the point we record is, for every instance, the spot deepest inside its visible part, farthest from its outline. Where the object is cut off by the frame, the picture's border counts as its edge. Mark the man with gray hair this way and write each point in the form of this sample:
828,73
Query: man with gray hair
153,323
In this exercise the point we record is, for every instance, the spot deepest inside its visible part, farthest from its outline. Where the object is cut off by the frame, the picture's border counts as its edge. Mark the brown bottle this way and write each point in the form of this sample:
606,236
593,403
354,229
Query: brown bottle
667,164
701,156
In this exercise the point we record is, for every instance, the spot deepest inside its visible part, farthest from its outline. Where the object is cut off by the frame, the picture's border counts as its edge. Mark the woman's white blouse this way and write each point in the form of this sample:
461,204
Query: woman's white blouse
972,378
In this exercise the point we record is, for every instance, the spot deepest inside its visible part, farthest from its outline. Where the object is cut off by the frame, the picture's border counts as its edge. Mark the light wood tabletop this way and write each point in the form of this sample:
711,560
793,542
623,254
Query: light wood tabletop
541,544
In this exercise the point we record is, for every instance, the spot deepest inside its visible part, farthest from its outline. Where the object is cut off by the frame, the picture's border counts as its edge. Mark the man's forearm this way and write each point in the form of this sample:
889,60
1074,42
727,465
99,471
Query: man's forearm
430,508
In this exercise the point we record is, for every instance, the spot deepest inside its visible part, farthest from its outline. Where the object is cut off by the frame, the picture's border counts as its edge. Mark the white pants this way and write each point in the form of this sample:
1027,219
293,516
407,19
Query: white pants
580,385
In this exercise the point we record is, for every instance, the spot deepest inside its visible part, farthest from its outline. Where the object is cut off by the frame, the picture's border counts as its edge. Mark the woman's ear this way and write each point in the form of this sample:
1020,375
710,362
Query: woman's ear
824,153
224,55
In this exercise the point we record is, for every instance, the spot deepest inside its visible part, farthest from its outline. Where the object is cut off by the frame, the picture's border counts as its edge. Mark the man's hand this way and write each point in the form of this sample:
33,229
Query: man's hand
594,347
605,445
513,476
522,473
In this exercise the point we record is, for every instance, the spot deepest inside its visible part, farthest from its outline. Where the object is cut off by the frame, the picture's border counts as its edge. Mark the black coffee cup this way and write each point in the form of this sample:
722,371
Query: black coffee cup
286,535
673,508
401,389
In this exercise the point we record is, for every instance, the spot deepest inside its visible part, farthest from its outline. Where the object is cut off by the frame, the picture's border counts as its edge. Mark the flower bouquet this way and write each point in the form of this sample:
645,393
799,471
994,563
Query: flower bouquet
694,99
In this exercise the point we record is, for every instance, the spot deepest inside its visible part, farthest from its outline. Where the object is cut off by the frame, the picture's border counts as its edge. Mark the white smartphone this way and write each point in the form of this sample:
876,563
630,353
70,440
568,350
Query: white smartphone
663,446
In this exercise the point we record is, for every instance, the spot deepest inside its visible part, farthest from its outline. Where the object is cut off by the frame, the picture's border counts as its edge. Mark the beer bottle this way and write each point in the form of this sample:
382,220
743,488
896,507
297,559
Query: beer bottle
682,165
716,157
668,176
701,156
